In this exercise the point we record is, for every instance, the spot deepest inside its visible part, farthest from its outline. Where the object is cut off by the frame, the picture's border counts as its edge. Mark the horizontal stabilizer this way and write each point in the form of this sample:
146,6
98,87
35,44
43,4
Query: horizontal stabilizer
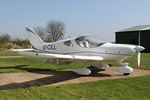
30,49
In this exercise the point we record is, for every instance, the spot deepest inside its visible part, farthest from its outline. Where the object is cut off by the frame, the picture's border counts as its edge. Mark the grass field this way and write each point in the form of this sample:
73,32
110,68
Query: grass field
116,89
8,53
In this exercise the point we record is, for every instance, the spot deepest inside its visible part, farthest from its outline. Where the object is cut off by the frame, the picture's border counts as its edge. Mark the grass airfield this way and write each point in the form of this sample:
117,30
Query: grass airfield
116,89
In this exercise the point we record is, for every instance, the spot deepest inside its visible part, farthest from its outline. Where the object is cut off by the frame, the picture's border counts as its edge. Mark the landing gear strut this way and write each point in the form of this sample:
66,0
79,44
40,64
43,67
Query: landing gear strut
101,66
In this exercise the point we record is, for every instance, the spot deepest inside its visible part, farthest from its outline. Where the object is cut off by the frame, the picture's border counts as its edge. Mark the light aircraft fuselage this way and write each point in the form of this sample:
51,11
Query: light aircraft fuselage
82,46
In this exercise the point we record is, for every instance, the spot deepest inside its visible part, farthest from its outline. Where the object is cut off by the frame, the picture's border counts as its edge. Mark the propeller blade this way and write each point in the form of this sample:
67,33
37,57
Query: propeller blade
138,58
139,53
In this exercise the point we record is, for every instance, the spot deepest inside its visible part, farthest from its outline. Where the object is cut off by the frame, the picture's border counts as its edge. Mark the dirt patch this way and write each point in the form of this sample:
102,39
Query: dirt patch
11,56
44,78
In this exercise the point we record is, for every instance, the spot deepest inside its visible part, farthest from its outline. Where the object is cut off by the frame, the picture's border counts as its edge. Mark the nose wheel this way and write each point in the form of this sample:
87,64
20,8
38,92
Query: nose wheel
125,69
126,74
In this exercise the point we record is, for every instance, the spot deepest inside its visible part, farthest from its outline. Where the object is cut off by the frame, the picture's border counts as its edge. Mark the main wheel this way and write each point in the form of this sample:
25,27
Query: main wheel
126,74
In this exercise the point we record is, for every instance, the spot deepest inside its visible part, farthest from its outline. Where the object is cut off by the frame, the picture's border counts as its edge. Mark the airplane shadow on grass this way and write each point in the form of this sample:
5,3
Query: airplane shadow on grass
57,76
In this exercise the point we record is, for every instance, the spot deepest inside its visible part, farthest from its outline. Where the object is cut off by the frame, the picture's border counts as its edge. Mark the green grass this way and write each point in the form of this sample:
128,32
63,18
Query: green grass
145,61
116,89
8,53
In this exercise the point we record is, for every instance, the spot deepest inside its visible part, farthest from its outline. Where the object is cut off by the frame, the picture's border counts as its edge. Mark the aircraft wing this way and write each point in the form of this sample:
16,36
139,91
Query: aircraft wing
60,56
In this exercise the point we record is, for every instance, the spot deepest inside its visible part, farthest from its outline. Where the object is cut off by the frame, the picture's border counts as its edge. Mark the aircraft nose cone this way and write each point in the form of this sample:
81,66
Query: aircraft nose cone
139,48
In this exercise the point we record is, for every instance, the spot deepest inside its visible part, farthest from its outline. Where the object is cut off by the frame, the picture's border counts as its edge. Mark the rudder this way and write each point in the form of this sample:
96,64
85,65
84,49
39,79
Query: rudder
34,39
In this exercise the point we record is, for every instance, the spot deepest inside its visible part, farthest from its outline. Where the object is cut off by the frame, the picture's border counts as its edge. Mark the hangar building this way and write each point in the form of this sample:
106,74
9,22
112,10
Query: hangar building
131,36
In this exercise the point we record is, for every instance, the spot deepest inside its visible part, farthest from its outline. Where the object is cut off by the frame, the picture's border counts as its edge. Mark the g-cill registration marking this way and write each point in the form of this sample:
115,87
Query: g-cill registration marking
49,47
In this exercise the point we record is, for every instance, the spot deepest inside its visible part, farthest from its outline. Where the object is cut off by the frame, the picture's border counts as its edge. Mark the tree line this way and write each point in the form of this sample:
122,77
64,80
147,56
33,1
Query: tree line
53,31
6,42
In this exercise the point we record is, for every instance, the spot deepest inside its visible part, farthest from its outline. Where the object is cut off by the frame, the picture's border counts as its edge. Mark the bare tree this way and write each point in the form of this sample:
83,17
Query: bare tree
55,30
41,32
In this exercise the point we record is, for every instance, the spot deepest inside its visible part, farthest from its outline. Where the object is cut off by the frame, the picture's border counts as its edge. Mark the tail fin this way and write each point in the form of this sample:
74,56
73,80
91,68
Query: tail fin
34,39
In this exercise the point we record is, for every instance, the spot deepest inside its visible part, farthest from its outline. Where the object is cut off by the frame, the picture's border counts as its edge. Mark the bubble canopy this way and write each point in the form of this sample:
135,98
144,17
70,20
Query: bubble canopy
88,41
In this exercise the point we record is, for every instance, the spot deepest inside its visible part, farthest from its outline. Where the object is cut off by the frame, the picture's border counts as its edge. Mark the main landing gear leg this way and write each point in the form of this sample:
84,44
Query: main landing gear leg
101,66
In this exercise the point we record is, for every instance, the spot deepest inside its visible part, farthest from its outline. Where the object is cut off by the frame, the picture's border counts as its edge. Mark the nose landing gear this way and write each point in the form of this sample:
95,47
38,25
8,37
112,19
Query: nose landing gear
125,69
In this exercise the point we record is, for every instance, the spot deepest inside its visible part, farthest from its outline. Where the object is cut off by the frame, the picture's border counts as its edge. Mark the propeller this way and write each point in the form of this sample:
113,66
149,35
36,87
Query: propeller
138,49
138,59
139,53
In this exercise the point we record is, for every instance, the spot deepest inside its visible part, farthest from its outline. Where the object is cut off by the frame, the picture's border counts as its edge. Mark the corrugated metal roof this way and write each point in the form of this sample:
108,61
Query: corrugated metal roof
136,28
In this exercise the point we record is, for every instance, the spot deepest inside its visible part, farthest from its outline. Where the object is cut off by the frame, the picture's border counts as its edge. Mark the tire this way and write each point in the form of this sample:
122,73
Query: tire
126,74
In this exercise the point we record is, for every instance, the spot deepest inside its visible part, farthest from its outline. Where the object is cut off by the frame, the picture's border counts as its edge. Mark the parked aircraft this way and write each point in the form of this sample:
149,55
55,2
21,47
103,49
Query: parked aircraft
84,48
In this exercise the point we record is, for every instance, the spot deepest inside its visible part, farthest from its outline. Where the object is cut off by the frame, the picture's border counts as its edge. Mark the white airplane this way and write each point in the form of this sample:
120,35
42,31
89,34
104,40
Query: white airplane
83,48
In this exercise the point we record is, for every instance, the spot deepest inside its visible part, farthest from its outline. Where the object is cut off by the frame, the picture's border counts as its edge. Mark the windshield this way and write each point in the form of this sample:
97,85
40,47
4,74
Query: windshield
88,41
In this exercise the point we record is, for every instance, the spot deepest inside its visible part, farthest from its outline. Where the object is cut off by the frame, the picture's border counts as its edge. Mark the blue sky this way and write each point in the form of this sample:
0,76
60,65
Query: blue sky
99,17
